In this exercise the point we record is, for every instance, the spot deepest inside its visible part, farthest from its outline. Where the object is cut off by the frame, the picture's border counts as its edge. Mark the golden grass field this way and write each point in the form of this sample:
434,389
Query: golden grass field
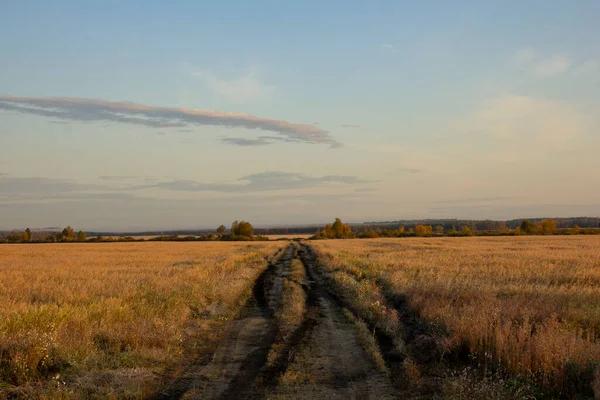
82,320
114,320
526,308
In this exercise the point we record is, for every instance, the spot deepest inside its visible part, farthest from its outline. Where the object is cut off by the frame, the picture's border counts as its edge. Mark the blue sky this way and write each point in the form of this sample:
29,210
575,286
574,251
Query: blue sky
143,115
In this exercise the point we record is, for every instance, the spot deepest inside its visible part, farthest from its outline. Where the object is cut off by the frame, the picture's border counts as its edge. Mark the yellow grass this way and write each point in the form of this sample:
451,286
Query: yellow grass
529,306
70,313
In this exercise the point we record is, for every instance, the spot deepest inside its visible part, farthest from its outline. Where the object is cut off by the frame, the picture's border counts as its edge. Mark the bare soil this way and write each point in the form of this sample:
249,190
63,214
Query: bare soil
321,359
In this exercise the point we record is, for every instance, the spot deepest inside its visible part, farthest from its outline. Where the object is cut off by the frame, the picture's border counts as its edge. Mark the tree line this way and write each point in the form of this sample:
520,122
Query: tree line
339,230
239,231
244,231
68,234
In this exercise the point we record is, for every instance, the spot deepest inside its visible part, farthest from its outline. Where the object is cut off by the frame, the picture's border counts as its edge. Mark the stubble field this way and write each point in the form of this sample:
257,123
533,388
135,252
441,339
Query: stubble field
405,318
522,309
82,320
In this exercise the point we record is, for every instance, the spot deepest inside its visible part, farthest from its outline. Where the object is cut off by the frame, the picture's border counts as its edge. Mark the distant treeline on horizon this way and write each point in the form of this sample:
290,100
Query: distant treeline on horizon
447,224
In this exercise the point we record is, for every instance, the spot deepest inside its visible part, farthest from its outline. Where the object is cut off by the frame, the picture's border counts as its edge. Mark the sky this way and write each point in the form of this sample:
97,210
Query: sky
144,115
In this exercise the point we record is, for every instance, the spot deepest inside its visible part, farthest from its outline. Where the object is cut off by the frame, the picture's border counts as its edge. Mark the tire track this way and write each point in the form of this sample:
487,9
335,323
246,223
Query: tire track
320,359
324,352
237,363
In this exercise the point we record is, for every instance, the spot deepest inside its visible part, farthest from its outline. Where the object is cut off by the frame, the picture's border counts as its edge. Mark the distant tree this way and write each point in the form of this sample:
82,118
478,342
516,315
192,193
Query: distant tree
99,238
576,229
423,230
242,228
338,228
548,226
527,227
67,234
439,229
369,233
466,230
221,230
27,235
14,237
81,237
501,226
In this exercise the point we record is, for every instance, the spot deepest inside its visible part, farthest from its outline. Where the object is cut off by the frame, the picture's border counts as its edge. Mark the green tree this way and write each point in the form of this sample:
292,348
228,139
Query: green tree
68,234
27,235
527,227
81,237
221,230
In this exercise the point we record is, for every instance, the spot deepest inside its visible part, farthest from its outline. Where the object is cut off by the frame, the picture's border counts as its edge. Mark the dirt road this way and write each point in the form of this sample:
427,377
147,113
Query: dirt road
321,359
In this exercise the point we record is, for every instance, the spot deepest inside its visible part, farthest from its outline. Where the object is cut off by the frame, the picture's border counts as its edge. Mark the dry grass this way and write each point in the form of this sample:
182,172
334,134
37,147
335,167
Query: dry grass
523,306
78,320
367,340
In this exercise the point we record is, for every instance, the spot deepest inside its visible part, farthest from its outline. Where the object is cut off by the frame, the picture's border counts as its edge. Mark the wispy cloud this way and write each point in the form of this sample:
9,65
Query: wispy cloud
544,66
389,47
551,66
260,141
246,142
118,178
77,109
525,121
239,90
410,170
350,126
39,189
266,181
32,185
524,56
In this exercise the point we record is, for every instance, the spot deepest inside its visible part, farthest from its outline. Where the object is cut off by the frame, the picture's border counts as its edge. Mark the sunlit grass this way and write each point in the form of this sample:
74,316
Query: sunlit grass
526,306
70,313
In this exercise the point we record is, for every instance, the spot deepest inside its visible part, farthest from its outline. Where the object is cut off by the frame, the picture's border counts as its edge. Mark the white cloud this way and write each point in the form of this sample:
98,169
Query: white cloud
524,56
527,121
95,110
552,66
389,47
241,89
542,67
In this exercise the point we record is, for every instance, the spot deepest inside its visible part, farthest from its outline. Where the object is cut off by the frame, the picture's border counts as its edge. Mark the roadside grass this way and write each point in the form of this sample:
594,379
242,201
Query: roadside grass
367,340
105,320
524,308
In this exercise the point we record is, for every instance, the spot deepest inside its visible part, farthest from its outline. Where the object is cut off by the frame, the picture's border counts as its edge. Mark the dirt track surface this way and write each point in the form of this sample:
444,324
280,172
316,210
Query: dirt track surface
321,359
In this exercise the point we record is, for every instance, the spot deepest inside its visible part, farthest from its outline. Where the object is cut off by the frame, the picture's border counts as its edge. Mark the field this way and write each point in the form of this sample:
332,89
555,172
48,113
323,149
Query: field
107,319
404,318
526,309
